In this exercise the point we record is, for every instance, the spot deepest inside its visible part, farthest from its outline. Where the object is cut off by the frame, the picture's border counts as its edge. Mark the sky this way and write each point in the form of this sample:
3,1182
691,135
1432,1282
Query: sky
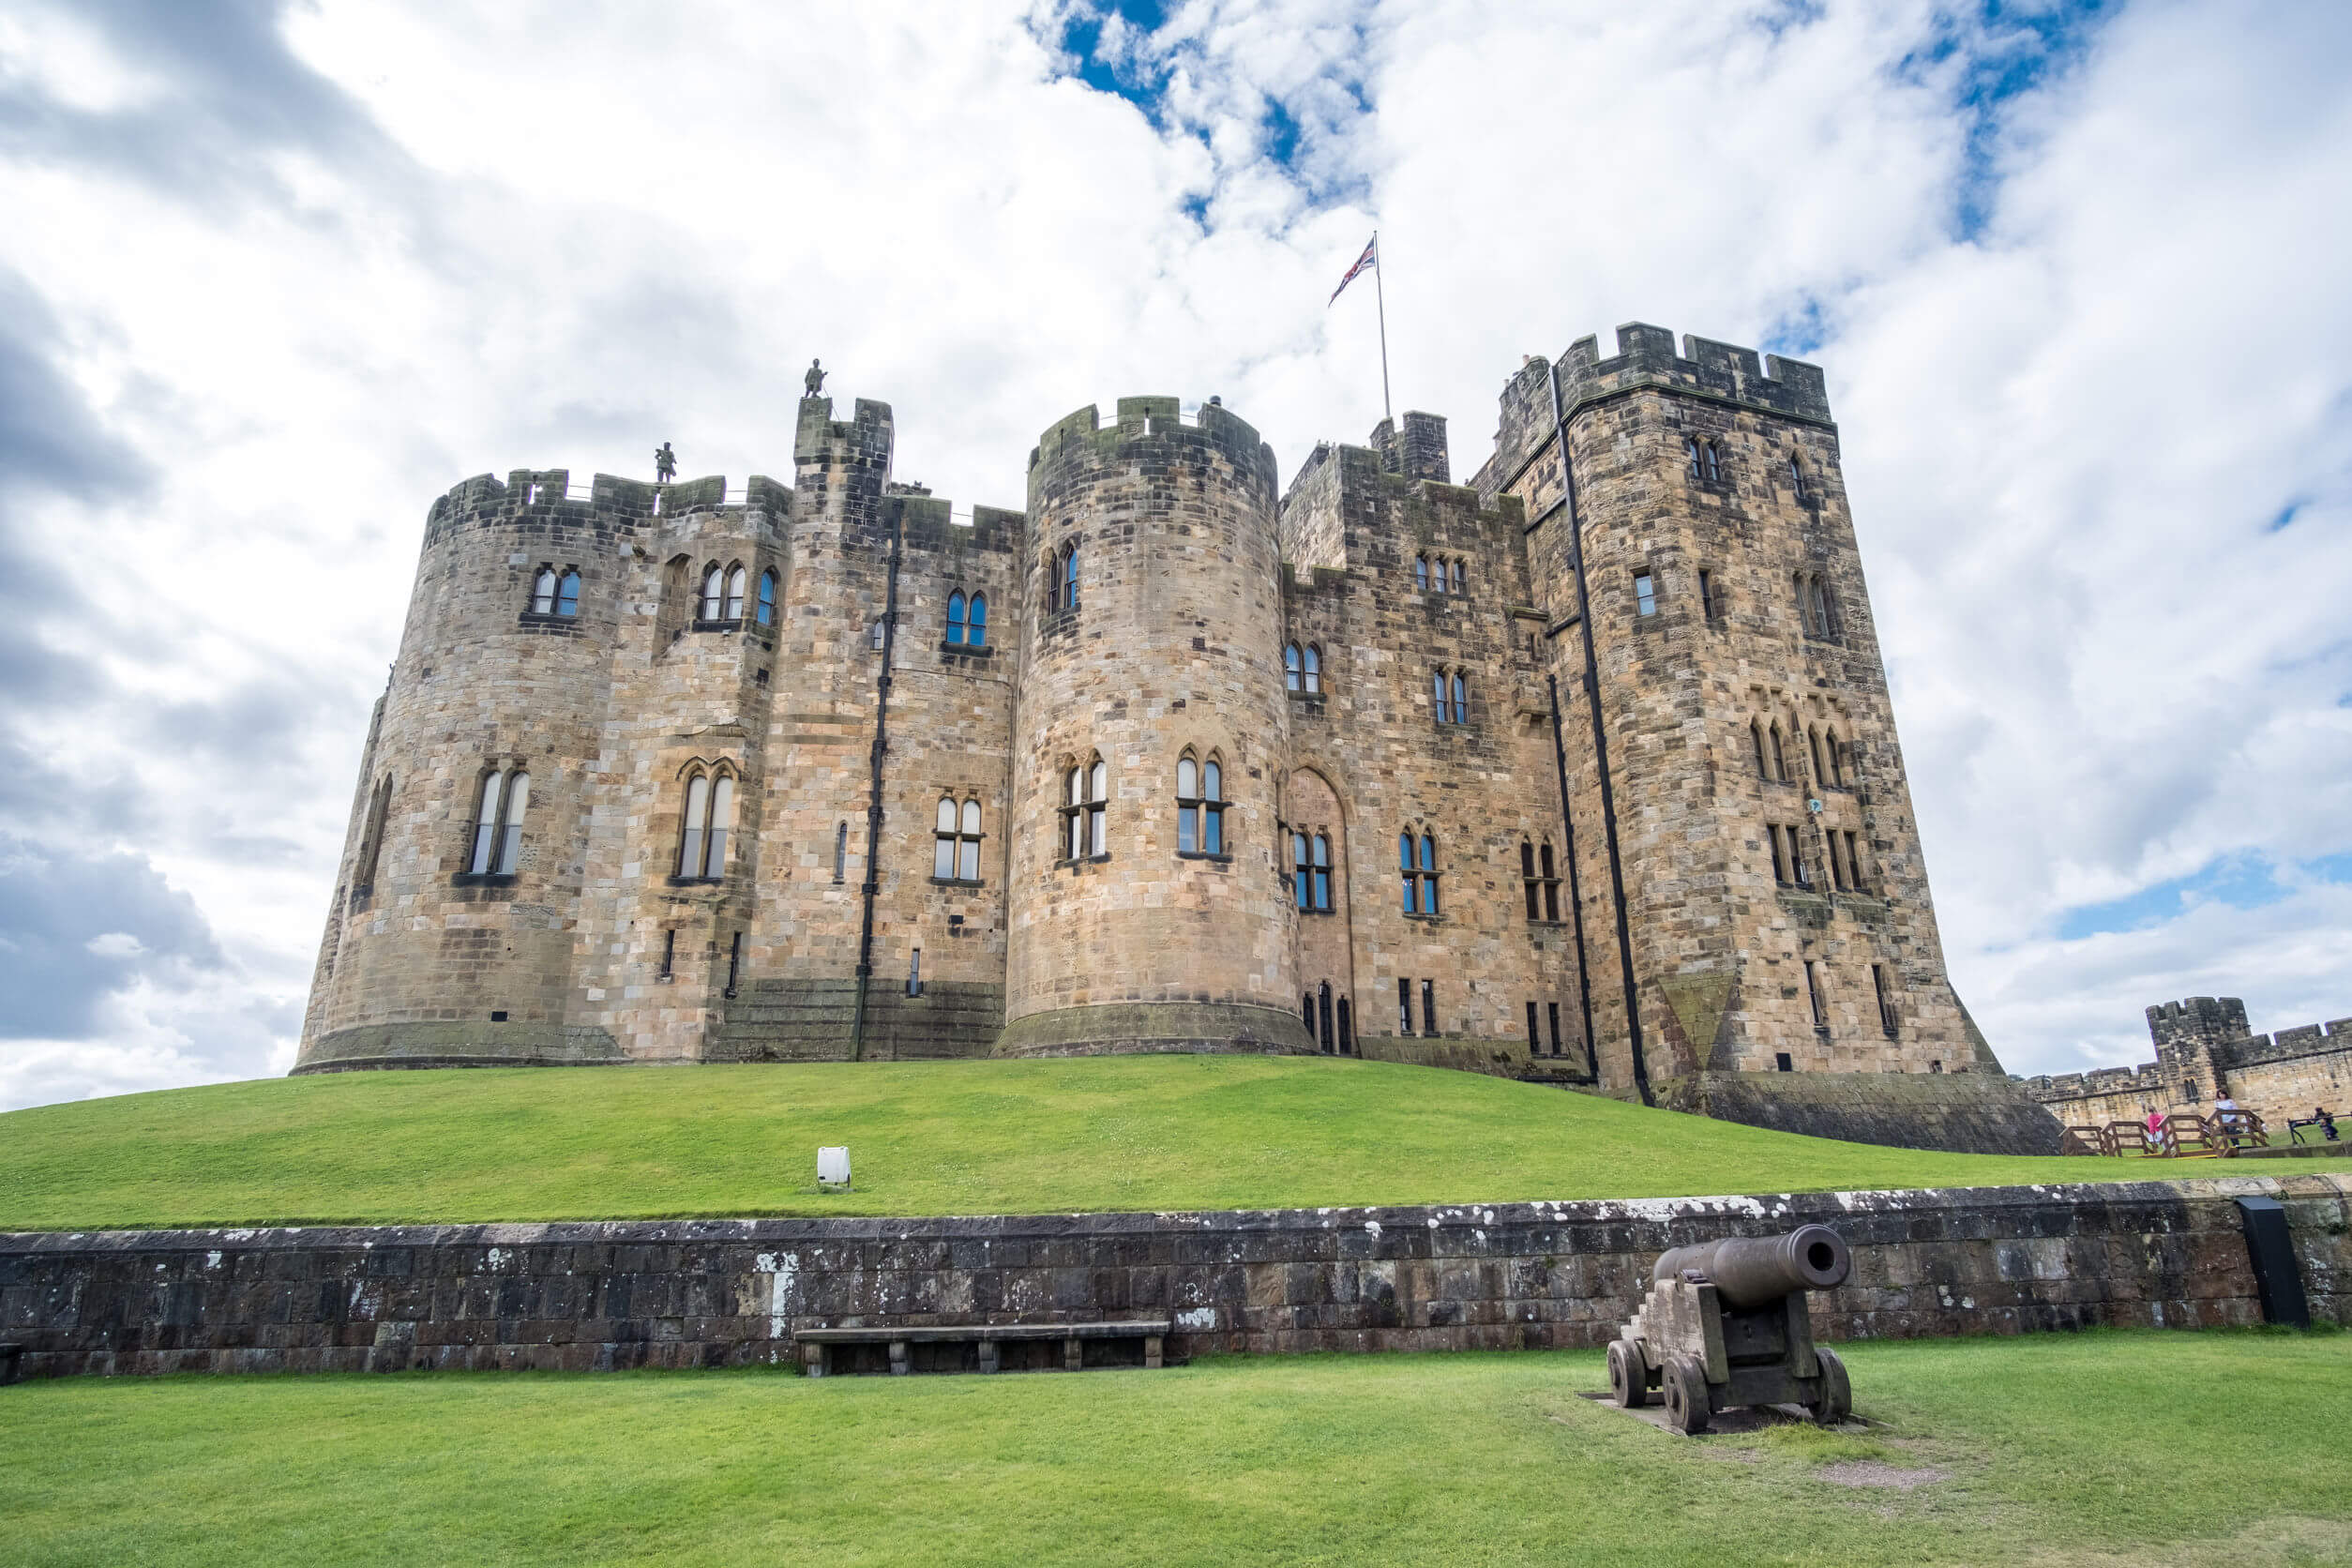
275,275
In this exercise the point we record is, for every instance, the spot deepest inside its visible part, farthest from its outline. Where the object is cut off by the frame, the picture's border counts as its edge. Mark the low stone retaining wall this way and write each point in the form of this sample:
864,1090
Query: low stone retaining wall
596,1295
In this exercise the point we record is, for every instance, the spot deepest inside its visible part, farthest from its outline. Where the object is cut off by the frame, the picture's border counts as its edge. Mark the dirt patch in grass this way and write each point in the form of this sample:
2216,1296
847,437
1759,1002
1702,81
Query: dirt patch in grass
1878,1473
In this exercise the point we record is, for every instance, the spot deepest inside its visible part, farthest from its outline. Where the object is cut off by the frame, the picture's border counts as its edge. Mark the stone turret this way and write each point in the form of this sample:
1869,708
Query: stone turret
1151,935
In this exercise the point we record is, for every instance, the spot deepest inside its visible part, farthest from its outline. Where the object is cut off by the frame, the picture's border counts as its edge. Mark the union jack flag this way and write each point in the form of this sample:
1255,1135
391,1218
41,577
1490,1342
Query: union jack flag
1369,258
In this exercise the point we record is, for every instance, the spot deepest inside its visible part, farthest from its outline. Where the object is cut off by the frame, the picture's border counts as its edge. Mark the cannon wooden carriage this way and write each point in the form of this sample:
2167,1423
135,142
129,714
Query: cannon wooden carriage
1724,1325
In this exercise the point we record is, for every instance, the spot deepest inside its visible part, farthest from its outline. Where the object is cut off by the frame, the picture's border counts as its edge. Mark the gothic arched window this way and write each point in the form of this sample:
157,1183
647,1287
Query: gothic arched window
1087,791
955,617
1454,576
1199,807
1314,660
543,592
736,579
766,611
1293,678
713,592
979,621
703,825
1420,573
956,850
567,592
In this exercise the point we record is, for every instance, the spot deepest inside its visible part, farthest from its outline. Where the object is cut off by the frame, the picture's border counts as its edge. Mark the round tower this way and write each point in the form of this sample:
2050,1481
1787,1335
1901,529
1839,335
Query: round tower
1145,902
447,944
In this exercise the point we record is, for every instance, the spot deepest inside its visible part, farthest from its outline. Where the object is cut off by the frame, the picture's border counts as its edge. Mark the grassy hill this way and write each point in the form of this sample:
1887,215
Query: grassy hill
1167,1132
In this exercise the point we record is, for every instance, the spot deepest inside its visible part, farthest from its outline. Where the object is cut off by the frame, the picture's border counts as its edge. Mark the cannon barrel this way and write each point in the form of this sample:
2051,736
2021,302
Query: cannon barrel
1749,1271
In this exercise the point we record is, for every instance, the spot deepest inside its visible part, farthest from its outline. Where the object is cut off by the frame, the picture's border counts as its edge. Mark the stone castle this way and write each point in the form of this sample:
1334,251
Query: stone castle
1582,772
2203,1050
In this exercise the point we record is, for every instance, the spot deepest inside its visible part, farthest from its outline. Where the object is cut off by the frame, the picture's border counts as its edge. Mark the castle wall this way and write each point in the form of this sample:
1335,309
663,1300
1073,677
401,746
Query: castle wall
1174,647
1479,787
1721,941
2204,1049
597,1296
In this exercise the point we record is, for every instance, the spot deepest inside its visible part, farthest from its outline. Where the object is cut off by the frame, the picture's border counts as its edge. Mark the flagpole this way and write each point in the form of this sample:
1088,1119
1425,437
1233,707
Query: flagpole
1381,294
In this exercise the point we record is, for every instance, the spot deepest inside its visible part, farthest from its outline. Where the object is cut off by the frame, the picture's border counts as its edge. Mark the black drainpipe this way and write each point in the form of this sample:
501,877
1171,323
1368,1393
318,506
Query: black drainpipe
874,784
1600,740
1575,898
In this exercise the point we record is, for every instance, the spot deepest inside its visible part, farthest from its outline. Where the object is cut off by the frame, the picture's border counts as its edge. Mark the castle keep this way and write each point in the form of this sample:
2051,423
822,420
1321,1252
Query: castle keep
1583,772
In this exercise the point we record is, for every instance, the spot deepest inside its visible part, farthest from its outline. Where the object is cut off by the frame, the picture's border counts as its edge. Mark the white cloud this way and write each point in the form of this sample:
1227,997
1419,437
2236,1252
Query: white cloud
536,235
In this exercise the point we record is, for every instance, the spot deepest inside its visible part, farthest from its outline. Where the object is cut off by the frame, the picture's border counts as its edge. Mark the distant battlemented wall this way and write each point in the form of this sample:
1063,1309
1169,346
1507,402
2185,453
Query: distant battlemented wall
2203,1050
596,1296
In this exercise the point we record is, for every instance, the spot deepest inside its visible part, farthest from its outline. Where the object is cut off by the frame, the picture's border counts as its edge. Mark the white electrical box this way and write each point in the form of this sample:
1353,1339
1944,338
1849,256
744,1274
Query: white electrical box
833,1167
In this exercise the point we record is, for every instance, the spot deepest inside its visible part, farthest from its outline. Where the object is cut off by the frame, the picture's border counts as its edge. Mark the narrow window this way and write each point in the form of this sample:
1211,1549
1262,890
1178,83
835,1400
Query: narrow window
1322,998
1715,468
1293,678
955,617
1813,994
1323,873
1551,887
841,851
691,826
875,635
1780,758
1853,862
1798,873
668,953
1781,1063
1347,1030
1837,865
510,824
1707,596
1797,476
1461,701
734,962
1780,866
1756,734
1070,576
1301,885
1097,829
723,814
1213,808
567,592
1405,866
767,598
1306,1012
713,592
1554,1008
363,879
1428,873
914,971
1690,452
735,582
543,592
1805,606
979,637
1437,687
1314,667
1188,806
1420,573
1428,1006
1534,1042
1074,792
1836,750
1886,1002
1053,583
968,844
1454,576
1404,1007
1813,744
1527,875
1644,594
943,841
1826,609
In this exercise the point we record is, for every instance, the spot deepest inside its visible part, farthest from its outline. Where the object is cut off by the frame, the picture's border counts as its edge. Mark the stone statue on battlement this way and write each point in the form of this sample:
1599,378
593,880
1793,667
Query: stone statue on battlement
814,382
665,464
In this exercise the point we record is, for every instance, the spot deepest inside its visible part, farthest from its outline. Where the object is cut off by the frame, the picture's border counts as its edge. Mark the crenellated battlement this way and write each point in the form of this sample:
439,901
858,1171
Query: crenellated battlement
866,438
1082,437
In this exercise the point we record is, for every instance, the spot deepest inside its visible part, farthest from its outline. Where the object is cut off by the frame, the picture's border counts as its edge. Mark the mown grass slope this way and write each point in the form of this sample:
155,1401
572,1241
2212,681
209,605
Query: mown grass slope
1148,1133
2125,1450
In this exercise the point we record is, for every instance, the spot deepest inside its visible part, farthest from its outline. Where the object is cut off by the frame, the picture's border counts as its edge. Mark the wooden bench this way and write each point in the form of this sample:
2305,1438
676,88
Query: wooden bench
815,1345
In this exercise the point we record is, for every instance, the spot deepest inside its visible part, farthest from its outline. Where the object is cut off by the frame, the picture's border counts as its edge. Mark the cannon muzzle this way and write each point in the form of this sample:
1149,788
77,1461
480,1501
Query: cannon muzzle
1749,1271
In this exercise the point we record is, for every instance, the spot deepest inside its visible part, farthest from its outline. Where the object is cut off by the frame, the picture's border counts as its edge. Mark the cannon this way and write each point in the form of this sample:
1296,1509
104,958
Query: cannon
1724,1325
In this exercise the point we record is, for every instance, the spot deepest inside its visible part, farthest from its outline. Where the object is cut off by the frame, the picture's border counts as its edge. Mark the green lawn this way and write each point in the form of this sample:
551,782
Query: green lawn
1166,1132
2145,1448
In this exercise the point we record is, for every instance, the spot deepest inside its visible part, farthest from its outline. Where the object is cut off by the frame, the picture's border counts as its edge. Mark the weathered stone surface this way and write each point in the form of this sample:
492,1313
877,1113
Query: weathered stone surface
599,1295
1973,1112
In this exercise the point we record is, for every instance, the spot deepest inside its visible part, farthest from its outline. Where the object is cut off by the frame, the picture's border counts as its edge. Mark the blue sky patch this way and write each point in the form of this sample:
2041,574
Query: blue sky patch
2240,881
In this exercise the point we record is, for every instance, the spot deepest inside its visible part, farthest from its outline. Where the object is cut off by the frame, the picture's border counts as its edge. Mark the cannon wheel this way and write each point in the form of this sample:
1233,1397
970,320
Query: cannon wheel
1629,1380
1687,1396
1837,1394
